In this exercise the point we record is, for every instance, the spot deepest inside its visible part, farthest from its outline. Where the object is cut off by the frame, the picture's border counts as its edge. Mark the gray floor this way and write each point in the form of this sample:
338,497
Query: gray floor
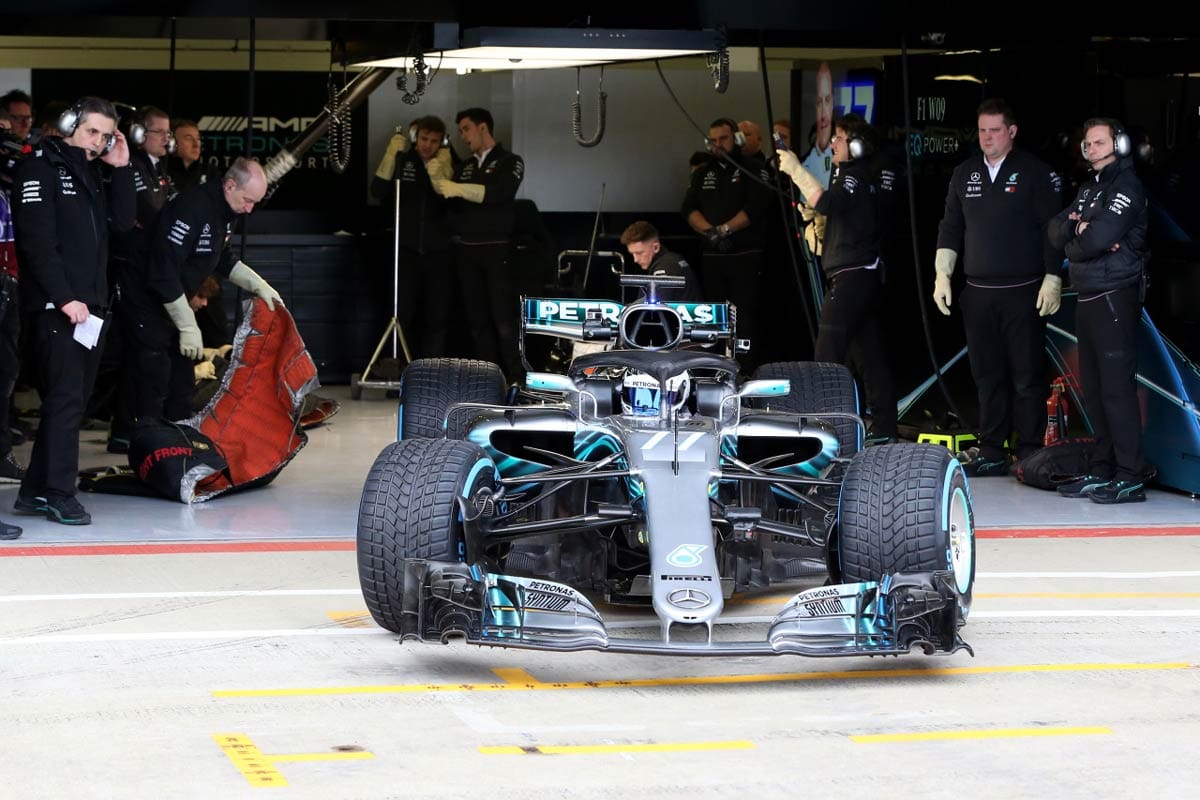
222,674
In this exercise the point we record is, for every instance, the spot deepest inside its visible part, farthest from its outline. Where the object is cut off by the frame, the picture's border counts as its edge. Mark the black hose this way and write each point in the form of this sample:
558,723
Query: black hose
784,202
912,224
577,113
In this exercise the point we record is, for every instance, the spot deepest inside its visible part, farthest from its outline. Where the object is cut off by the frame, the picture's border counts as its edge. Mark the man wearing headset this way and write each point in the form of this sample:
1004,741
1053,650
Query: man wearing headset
189,243
63,212
1103,233
852,263
726,203
998,207
151,137
482,199
425,254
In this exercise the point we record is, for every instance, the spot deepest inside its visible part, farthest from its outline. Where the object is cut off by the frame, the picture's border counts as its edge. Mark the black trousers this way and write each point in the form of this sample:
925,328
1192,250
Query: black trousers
423,301
1006,344
1107,329
490,302
10,356
735,278
66,373
850,323
163,379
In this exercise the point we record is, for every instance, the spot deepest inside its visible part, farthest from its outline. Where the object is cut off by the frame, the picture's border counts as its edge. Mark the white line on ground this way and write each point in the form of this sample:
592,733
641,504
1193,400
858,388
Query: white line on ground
39,598
1133,576
288,633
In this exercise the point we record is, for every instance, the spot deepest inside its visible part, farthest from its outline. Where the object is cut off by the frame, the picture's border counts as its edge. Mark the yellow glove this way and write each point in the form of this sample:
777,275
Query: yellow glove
471,192
191,345
205,371
805,180
387,164
943,263
440,166
1049,296
245,278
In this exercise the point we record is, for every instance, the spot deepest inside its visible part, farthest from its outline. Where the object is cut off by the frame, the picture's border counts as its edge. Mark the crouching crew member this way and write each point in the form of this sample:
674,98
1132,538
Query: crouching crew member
188,245
642,242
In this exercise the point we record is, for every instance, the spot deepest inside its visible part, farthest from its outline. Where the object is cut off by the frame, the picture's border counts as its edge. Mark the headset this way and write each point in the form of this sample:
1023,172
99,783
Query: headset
69,120
414,131
739,138
1122,144
857,131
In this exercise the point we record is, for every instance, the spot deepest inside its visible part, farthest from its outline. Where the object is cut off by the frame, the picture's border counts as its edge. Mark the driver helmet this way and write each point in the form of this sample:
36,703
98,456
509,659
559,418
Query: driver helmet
641,394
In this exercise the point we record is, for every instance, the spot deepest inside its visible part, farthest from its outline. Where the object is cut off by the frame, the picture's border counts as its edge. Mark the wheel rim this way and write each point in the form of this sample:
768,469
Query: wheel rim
962,541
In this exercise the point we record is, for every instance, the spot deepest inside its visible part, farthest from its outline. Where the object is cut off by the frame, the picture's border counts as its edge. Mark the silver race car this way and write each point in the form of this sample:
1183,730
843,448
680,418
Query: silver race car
651,474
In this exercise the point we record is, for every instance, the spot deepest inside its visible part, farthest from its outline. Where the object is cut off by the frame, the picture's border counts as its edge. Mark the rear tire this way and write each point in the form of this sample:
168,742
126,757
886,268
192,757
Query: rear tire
429,386
356,388
816,387
409,509
906,508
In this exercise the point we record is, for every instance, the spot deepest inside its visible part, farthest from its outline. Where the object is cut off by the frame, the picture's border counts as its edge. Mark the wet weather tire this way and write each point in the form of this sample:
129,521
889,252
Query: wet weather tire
429,386
409,509
906,508
816,387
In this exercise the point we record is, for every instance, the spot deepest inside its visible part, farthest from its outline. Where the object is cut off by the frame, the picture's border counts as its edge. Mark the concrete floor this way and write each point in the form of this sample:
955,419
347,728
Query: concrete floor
223,649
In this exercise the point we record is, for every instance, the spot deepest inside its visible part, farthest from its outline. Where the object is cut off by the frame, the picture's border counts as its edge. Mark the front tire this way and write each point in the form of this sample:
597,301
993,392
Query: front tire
906,508
409,509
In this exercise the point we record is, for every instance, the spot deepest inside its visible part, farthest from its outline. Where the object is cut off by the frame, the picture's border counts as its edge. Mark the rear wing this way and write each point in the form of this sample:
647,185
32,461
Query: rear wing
599,320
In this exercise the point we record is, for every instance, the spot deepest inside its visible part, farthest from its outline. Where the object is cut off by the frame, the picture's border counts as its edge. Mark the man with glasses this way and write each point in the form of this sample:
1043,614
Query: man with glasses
149,161
63,211
19,107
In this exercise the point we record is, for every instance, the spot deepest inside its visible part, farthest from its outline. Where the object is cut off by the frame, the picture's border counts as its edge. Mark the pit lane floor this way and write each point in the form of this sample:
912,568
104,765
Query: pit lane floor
223,650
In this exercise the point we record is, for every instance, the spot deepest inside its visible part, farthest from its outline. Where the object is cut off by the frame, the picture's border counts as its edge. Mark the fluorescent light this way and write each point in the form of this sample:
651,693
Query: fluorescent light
967,78
462,65
546,48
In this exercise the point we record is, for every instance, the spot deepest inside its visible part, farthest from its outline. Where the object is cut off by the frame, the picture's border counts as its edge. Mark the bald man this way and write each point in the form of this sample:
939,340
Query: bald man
819,160
187,247
752,146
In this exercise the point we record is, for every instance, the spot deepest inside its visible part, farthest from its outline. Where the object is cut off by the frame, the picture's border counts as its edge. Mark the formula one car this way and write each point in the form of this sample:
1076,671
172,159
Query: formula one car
652,474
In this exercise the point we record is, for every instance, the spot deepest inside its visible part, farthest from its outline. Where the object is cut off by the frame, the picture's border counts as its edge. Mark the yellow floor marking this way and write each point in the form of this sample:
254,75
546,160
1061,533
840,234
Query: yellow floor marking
353,756
524,682
351,619
998,733
519,676
259,768
249,760
593,749
1086,595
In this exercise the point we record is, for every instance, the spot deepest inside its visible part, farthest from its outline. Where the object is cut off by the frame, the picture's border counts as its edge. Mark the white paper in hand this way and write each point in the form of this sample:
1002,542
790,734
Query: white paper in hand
87,333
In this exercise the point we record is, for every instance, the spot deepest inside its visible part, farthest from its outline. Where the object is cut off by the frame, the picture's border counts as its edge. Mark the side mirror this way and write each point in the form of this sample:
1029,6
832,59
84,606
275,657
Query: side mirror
773,387
551,382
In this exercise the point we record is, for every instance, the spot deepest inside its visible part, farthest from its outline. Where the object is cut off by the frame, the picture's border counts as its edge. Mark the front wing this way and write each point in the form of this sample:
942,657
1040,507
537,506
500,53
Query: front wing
444,601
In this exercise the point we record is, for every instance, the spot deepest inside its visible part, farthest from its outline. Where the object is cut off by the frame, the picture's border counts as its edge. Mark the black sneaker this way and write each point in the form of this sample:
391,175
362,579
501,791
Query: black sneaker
1119,492
8,532
986,468
118,444
10,470
29,504
66,510
1081,487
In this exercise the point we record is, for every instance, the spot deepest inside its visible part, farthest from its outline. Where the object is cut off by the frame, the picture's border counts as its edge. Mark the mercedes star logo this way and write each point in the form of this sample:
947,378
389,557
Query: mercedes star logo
690,599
